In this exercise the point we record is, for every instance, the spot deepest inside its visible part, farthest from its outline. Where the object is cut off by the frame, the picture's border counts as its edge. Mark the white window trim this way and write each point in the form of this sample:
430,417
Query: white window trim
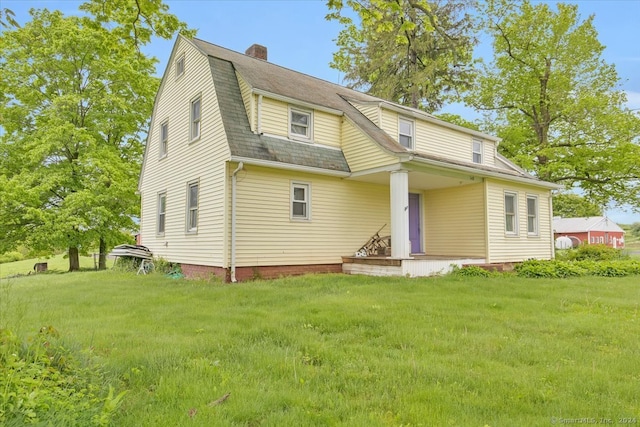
182,59
412,146
536,223
164,143
158,213
187,224
309,136
192,119
515,213
479,153
307,192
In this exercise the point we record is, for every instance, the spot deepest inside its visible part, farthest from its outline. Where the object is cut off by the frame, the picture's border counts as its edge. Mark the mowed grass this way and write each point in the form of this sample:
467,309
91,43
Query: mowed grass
348,350
55,264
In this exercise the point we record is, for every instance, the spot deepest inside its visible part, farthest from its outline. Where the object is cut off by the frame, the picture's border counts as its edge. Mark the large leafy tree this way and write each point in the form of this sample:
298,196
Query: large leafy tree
568,205
414,52
556,103
76,100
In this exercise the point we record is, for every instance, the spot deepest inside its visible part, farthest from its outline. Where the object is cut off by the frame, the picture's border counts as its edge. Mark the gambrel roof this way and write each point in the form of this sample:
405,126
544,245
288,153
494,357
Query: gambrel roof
294,87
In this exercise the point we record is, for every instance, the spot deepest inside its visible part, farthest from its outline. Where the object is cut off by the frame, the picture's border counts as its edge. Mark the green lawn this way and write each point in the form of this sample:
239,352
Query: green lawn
348,350
56,263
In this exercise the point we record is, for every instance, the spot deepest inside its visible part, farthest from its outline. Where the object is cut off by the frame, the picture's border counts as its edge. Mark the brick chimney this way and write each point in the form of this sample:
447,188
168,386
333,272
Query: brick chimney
257,51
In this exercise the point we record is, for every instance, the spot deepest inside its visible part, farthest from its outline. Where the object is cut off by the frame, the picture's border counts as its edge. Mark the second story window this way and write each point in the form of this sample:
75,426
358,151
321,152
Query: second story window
196,112
300,123
406,131
477,151
164,139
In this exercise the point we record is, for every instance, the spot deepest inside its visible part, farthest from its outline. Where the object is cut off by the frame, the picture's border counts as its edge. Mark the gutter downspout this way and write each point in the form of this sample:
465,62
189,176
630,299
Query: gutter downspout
233,221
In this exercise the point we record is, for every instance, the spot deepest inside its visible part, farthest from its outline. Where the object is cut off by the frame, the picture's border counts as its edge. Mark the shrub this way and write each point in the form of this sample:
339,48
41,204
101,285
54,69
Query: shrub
536,268
42,382
165,267
470,271
556,268
597,253
11,257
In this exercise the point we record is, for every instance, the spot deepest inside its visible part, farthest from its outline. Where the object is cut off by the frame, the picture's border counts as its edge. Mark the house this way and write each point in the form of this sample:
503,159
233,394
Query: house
251,169
589,230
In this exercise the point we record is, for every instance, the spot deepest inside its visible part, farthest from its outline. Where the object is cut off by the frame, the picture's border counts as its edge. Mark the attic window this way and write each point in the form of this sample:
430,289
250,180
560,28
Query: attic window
477,151
300,123
405,133
180,66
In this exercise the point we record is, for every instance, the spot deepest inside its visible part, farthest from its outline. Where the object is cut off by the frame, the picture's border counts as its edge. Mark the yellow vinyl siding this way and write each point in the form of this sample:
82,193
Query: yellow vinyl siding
506,248
454,221
371,111
389,123
344,214
326,128
489,153
275,121
360,152
202,160
274,118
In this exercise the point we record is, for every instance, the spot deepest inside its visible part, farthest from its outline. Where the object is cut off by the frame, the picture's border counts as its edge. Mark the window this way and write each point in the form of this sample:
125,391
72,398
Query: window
300,123
300,201
405,133
532,215
180,66
164,139
510,217
162,212
195,118
192,207
477,151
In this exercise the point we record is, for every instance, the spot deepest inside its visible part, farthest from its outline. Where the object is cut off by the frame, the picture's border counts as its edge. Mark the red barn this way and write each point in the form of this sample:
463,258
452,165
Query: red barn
589,230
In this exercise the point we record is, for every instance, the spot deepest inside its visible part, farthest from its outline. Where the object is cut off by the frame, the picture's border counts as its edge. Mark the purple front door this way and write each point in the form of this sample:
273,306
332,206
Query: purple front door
414,223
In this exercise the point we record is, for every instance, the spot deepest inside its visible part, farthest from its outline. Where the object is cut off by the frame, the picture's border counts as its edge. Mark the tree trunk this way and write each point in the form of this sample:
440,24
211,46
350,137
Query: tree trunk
74,259
102,256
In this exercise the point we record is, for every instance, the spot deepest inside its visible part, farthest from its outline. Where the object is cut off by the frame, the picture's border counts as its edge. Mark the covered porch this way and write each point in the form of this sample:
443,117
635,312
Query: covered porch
437,221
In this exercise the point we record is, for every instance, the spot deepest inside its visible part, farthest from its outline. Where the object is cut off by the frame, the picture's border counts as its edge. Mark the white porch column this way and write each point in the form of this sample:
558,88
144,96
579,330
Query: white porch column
399,183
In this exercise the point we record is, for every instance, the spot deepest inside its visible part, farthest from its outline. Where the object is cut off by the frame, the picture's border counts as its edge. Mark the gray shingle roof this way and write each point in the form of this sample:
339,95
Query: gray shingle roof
244,143
271,78
583,224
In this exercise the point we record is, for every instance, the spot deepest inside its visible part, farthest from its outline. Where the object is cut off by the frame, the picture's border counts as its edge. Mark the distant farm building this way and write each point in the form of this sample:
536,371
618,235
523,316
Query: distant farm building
589,230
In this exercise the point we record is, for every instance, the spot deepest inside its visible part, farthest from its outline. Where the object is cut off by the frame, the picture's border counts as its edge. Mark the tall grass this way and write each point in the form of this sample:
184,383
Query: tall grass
350,350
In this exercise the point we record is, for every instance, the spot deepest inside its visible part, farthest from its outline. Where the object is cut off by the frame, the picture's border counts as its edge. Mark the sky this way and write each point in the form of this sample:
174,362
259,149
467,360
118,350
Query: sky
298,37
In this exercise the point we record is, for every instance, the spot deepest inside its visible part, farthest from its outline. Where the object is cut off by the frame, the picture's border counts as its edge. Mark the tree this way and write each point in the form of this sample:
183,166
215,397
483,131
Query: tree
568,205
556,103
7,18
76,101
137,21
413,52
